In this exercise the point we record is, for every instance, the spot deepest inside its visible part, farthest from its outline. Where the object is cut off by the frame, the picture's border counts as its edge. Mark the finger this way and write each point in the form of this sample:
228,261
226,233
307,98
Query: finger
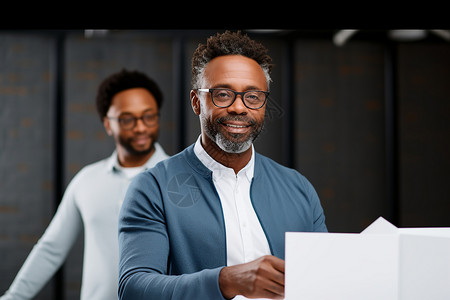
278,277
272,282
275,270
273,289
278,264
270,295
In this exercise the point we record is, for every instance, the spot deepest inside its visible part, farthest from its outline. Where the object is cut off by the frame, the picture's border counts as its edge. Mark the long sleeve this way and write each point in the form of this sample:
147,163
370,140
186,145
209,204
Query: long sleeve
317,210
145,271
172,236
49,252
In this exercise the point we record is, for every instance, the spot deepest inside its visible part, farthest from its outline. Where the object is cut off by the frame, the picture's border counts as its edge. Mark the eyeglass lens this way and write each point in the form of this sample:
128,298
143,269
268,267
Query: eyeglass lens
225,97
130,122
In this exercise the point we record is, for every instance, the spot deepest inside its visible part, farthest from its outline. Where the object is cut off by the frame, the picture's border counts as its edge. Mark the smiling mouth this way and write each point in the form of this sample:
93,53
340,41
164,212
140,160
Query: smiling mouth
239,129
141,140
236,126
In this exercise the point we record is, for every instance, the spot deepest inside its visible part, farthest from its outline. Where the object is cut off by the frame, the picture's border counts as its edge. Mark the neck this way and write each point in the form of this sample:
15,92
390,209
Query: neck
130,160
236,161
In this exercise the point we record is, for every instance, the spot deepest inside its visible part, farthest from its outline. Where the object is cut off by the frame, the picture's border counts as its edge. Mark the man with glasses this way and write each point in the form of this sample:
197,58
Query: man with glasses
209,223
128,103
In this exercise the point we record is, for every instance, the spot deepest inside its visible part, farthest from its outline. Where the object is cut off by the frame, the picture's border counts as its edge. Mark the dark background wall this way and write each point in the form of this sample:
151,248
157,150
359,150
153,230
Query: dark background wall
367,123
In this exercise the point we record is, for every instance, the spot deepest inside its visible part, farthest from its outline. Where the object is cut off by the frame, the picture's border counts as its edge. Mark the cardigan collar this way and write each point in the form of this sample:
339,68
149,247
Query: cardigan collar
217,168
192,159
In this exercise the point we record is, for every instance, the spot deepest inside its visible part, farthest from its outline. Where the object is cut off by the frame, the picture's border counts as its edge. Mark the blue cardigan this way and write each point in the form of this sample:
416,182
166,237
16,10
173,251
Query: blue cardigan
172,232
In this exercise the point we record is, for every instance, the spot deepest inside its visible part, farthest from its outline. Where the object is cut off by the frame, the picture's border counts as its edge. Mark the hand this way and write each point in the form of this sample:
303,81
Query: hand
261,278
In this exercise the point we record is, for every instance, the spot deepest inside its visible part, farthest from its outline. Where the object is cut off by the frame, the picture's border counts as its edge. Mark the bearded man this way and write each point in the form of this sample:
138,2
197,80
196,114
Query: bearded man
209,222
128,104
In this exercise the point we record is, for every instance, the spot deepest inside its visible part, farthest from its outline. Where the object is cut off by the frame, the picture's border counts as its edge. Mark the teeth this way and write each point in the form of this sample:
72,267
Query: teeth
236,126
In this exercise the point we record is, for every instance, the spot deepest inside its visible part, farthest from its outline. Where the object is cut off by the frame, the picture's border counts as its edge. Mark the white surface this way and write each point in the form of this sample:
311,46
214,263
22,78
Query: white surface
384,262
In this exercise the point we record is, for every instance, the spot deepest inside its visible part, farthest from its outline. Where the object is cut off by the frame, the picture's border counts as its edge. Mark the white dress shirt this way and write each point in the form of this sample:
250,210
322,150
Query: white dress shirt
245,238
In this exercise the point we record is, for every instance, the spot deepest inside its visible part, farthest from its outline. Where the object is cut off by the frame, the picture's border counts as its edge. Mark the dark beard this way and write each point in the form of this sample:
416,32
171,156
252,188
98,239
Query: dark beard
127,146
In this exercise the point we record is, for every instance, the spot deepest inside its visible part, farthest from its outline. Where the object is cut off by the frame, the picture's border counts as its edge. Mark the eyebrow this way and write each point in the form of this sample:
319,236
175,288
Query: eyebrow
130,113
247,88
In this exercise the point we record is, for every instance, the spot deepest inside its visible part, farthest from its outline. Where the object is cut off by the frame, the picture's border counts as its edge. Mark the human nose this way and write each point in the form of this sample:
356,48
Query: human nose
140,126
238,106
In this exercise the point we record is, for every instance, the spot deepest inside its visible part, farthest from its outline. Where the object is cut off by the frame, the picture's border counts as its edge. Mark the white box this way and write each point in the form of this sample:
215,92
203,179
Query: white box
381,263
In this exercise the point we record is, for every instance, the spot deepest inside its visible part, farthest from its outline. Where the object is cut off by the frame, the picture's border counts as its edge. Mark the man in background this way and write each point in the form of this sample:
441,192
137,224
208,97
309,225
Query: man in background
128,103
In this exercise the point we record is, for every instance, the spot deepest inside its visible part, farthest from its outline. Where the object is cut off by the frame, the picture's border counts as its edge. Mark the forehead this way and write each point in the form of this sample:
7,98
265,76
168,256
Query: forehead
134,101
236,72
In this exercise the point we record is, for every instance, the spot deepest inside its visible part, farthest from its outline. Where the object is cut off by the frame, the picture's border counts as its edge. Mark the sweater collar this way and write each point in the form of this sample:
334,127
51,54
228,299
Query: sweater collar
159,154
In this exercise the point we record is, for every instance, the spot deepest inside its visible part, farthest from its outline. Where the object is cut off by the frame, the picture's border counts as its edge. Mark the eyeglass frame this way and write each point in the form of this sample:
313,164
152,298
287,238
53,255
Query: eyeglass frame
242,94
135,119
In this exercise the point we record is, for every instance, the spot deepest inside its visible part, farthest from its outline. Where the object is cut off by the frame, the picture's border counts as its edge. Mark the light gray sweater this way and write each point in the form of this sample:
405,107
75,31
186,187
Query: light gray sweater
91,201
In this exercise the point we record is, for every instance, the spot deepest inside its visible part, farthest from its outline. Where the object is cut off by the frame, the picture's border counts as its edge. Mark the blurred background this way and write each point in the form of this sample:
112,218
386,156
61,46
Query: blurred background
363,114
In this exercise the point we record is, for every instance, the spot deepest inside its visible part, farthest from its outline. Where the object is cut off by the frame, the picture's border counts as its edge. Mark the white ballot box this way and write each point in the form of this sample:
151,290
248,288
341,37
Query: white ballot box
381,263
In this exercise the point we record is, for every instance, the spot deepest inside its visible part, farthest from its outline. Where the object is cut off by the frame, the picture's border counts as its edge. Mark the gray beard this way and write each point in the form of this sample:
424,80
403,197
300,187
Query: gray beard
230,146
227,145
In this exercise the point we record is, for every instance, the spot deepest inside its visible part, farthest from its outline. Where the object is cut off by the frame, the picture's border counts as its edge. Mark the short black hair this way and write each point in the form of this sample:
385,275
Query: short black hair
122,81
229,43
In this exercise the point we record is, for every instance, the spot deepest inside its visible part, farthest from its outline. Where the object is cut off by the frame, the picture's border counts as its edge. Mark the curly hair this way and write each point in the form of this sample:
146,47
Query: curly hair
121,81
228,43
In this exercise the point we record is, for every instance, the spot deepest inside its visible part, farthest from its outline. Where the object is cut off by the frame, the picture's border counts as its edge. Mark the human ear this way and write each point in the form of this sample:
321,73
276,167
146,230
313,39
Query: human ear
107,126
195,102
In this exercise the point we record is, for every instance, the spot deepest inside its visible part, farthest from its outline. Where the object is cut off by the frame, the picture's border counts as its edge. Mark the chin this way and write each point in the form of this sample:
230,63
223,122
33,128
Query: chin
139,151
233,145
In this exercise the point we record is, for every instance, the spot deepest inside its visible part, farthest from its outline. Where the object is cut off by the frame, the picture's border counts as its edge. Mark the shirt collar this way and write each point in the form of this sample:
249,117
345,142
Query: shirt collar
113,161
217,168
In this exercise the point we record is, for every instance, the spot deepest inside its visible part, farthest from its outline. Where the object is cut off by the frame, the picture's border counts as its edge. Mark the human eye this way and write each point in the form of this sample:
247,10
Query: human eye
126,120
223,95
148,116
254,96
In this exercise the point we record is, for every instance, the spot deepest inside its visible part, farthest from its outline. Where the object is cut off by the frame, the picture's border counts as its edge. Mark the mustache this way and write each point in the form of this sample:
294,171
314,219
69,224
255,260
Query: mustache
243,119
139,135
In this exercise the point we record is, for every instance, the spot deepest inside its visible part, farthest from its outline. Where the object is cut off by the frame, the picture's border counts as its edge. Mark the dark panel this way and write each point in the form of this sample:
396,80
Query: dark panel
424,94
26,149
270,140
191,119
339,129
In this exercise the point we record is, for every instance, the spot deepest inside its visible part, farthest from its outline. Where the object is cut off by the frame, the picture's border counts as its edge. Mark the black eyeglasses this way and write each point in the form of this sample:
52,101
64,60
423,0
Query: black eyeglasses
129,122
225,97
